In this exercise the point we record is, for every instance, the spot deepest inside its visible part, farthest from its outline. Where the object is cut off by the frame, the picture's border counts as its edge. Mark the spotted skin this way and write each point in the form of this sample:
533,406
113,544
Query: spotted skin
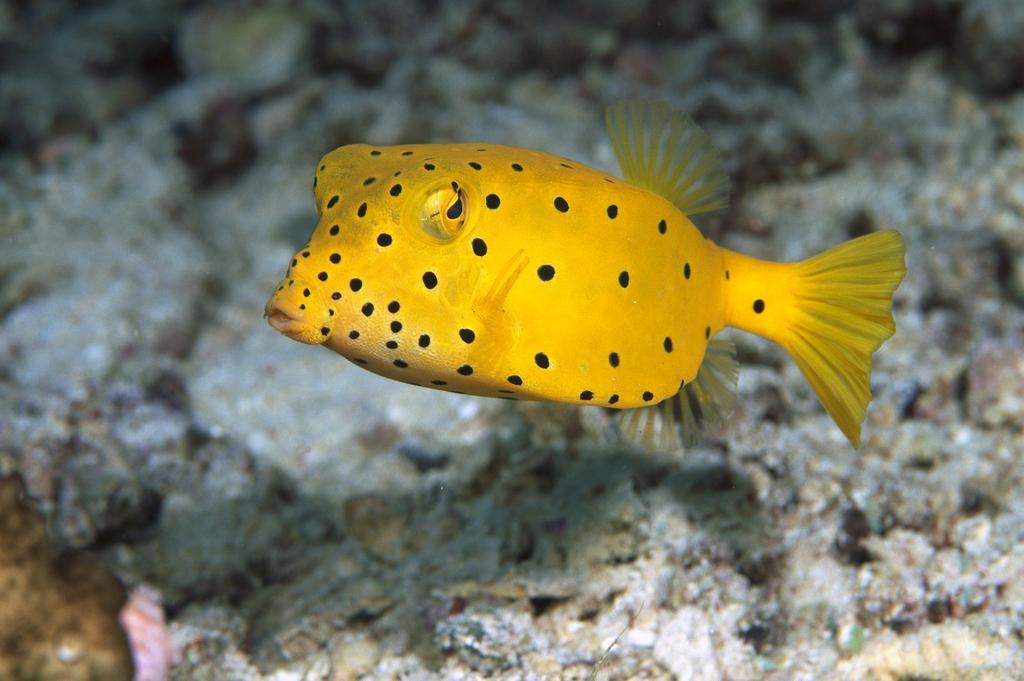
553,259
507,272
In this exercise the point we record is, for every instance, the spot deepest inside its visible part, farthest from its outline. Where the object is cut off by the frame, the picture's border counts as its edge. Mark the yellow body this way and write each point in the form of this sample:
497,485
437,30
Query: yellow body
580,319
506,272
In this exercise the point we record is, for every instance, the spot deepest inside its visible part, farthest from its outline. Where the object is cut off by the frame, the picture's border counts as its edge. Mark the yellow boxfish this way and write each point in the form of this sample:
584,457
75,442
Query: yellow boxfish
506,272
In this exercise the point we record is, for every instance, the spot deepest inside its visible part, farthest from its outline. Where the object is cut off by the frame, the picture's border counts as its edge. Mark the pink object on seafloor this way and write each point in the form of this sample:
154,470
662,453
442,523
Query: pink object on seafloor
143,620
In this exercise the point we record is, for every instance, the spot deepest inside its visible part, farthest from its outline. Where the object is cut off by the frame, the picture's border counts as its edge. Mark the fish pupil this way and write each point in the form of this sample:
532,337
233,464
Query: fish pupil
455,210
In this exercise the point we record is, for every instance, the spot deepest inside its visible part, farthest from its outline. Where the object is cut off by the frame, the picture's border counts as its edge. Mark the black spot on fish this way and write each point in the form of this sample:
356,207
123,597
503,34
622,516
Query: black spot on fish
324,331
335,296
334,200
353,334
546,272
367,309
384,240
648,396
429,279
474,165
479,247
758,306
335,258
439,382
623,279
428,166
394,306
493,201
368,181
391,345
707,332
542,360
334,230
465,370
396,326
586,395
322,276
561,205
355,284
362,210
516,167
686,270
395,190
467,335
400,364
424,341
306,292
662,226
406,153
667,344
613,359
375,152
613,399
514,380
613,211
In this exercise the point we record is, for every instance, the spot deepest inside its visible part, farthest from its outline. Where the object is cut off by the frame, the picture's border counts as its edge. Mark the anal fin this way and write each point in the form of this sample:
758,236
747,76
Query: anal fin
700,407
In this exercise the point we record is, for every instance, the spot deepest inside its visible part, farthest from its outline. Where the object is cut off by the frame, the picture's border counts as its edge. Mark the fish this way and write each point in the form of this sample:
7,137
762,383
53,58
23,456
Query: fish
513,273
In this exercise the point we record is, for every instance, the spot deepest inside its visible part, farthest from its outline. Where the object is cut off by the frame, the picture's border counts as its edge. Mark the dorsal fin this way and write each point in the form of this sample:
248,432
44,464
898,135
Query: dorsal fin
700,407
666,152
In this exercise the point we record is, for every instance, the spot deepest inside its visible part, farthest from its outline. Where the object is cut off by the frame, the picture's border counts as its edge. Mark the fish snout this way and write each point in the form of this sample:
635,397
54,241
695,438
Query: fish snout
303,322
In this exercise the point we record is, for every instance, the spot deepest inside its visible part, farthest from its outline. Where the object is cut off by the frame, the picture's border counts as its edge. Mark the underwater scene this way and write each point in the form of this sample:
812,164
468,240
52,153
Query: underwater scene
584,340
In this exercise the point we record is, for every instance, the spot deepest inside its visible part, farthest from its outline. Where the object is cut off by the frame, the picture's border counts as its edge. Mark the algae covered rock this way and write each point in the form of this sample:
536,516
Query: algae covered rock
58,615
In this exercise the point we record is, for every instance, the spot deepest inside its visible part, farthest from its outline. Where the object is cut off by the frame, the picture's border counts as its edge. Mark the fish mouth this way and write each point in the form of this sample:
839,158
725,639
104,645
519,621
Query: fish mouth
284,320
289,320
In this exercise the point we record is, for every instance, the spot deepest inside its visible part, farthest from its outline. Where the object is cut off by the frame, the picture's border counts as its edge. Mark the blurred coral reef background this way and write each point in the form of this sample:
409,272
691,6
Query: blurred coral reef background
279,514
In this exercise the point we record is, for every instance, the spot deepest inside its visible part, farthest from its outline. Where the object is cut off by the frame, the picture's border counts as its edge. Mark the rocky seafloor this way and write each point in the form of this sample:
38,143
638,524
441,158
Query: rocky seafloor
299,518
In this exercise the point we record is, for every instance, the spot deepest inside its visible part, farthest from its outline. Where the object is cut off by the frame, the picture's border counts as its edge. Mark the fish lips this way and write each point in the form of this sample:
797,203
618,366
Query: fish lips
303,326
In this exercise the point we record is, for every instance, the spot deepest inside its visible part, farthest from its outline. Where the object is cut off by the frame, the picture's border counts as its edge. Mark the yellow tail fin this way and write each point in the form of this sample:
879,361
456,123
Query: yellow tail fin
843,313
830,312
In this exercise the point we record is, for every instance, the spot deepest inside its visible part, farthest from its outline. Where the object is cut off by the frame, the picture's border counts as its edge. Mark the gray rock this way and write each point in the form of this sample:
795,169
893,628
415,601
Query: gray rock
995,384
989,34
686,646
254,46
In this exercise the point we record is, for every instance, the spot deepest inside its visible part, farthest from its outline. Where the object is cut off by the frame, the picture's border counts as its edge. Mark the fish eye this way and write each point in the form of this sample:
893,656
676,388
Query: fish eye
444,212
